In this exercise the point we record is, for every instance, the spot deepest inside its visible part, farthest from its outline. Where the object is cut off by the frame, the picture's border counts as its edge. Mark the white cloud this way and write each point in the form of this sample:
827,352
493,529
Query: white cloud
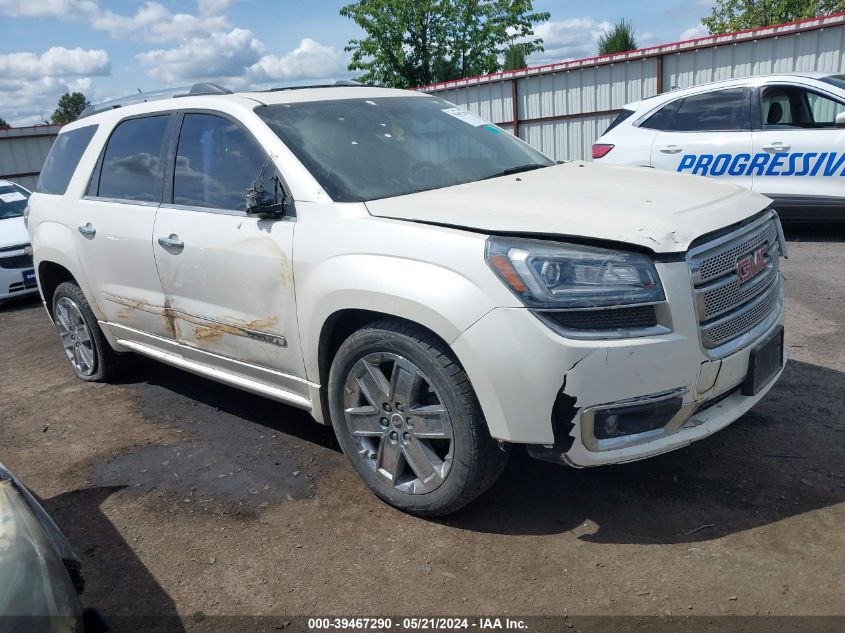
46,8
573,38
696,31
55,62
155,23
219,55
213,7
310,60
25,102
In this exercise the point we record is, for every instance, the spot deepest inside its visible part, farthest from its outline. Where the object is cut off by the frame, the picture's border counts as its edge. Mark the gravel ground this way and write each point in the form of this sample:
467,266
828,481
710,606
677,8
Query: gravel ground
184,497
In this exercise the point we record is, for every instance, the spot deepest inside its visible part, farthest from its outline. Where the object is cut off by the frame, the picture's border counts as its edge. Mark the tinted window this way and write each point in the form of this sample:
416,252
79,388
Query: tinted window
835,80
13,201
132,164
216,162
663,118
63,158
625,114
366,149
722,110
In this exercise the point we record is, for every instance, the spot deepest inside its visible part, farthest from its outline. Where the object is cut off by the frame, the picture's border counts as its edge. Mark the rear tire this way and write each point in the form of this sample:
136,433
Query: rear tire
406,416
90,355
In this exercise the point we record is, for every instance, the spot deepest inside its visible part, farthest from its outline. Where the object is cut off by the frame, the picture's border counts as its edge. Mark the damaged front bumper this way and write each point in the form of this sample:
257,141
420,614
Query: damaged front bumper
541,389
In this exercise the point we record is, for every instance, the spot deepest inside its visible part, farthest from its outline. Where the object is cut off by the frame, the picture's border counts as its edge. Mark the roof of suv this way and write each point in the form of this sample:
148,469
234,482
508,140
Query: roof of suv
191,98
756,80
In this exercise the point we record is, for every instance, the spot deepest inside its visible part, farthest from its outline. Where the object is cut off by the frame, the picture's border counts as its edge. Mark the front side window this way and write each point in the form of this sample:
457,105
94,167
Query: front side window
62,160
718,111
366,149
132,163
13,200
796,107
823,110
216,162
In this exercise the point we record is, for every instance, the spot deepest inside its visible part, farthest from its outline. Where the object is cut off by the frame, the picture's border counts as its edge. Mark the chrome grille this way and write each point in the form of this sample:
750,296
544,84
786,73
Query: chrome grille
726,308
721,259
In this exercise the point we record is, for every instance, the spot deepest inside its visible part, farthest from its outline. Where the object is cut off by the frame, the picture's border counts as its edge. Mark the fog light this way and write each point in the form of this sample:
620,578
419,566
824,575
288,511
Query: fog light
634,419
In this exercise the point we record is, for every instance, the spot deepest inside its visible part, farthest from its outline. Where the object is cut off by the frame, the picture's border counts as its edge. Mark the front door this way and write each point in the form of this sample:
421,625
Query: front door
115,226
227,277
706,134
804,151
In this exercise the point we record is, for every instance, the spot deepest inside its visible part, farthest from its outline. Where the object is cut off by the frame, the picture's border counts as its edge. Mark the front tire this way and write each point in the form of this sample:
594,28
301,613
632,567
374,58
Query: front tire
90,355
406,416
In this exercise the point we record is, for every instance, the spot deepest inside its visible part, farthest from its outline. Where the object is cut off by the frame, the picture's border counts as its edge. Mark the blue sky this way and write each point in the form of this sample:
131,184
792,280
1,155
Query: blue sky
109,48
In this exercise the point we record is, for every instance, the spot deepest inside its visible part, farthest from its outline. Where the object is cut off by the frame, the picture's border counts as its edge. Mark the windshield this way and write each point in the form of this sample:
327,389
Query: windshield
835,80
366,149
12,201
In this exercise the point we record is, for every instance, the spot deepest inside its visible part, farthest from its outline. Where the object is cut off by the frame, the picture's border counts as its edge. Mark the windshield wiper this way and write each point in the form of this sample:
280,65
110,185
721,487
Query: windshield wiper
516,170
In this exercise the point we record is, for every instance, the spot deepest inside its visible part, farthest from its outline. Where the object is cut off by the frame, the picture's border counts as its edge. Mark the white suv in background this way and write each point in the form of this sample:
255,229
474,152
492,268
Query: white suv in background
17,275
780,135
434,288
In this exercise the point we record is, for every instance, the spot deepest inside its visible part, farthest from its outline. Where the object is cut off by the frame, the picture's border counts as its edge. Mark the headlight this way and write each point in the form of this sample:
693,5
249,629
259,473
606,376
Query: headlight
568,276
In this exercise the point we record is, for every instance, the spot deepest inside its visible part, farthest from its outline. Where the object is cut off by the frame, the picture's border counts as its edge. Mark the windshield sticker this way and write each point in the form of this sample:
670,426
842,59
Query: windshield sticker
493,129
760,164
466,116
12,197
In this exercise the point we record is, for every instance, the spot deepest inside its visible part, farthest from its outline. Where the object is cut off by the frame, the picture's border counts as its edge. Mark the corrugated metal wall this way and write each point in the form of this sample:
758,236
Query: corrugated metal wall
563,108
22,152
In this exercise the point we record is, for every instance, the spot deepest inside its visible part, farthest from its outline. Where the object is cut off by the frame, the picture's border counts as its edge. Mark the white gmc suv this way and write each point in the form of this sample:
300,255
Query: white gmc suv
434,288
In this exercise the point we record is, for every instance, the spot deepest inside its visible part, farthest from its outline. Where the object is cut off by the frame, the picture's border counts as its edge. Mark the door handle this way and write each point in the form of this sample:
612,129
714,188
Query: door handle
172,242
671,149
776,146
88,230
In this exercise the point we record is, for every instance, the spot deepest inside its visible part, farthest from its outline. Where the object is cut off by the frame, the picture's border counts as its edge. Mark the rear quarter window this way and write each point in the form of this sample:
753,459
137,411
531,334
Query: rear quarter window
63,159
622,116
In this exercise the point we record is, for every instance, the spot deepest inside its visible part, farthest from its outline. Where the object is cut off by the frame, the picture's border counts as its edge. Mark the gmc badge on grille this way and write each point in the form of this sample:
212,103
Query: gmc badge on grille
749,266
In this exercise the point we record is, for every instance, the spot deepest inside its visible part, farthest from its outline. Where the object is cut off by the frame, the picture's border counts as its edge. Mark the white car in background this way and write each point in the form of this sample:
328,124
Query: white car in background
780,135
17,275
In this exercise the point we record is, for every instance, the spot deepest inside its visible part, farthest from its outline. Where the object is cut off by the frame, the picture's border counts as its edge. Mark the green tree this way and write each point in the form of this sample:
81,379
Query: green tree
618,40
3,124
736,15
514,58
71,105
415,42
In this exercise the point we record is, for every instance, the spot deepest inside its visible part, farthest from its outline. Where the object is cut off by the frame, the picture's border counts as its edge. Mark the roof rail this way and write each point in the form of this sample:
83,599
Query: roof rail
156,95
340,83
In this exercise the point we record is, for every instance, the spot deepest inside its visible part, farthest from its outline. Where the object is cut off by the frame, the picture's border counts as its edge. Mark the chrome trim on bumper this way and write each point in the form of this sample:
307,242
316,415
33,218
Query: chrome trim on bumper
588,418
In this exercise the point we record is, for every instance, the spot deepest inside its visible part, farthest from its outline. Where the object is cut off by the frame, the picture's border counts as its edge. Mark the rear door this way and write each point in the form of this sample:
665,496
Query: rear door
800,150
706,134
227,276
115,227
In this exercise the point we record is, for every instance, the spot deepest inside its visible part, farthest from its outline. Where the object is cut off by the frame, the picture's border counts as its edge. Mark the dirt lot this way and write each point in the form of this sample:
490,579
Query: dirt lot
185,497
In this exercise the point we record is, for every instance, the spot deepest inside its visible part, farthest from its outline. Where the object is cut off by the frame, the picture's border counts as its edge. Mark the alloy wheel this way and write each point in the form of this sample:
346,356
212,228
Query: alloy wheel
399,424
75,336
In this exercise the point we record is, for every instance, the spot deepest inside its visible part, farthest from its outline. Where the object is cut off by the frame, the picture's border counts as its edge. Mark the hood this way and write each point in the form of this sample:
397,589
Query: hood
661,211
13,232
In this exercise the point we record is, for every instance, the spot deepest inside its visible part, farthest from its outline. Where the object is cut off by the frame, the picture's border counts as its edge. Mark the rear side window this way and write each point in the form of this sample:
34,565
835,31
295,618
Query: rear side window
132,162
625,114
664,118
62,160
722,110
216,162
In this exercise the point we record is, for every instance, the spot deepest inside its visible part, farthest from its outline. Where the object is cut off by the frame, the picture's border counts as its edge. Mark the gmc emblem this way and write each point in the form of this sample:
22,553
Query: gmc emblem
750,266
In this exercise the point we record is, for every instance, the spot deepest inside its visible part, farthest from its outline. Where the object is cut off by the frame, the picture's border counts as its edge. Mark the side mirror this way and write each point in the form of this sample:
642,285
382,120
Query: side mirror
266,204
840,119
